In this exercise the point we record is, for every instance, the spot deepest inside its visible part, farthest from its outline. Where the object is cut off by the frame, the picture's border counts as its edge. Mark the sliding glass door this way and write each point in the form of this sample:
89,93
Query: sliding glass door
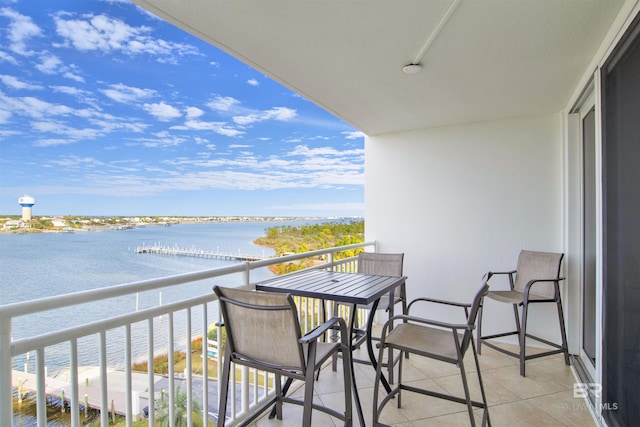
589,241
621,247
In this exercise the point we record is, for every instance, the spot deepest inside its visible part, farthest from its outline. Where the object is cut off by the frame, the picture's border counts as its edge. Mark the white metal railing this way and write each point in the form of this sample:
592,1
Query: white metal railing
104,395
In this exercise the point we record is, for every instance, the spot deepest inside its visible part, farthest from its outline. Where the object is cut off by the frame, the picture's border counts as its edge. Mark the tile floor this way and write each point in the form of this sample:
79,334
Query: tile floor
543,398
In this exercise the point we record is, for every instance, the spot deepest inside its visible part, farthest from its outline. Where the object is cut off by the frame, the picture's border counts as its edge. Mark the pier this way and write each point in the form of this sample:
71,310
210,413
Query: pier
193,252
89,389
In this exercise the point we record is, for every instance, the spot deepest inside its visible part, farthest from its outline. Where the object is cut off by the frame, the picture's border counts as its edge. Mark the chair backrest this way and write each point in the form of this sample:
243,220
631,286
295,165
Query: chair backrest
262,327
538,266
380,264
473,314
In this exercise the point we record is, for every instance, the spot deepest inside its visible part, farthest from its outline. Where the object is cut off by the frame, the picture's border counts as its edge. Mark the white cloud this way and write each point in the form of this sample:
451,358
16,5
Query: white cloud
163,139
33,107
49,64
19,31
4,56
340,207
53,142
161,111
106,34
222,103
303,150
72,162
253,82
4,115
71,76
203,141
126,94
217,127
353,135
276,113
193,112
58,128
70,90
14,83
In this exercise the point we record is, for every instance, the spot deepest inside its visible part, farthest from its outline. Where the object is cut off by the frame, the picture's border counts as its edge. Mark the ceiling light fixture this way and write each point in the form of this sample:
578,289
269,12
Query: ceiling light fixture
412,68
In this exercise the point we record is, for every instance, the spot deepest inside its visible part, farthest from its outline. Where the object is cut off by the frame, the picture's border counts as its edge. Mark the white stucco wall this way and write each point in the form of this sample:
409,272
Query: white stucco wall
460,201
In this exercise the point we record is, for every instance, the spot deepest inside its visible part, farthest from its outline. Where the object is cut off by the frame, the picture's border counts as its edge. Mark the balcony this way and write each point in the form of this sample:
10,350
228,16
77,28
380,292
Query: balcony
544,397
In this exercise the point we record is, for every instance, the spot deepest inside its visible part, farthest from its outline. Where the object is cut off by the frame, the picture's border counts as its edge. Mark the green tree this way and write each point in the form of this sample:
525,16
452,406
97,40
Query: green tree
180,410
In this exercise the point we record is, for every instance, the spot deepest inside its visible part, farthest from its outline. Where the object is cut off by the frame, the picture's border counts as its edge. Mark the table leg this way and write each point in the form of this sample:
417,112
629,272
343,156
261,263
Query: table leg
372,356
352,318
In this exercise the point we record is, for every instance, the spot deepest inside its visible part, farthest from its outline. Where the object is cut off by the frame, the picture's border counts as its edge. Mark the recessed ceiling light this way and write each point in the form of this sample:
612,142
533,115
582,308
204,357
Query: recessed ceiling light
412,68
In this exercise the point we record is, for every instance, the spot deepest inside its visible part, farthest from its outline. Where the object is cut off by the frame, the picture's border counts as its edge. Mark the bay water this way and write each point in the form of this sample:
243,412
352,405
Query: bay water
39,265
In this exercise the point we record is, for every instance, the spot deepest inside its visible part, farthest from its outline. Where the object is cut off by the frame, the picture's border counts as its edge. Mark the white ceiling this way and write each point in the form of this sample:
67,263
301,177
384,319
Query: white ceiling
490,59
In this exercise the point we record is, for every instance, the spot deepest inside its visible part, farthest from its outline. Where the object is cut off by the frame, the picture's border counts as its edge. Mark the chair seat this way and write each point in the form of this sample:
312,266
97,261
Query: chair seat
512,297
324,350
430,342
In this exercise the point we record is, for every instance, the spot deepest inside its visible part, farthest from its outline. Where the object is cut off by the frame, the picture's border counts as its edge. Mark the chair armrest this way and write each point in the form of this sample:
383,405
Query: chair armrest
430,322
465,306
320,330
490,274
439,301
529,285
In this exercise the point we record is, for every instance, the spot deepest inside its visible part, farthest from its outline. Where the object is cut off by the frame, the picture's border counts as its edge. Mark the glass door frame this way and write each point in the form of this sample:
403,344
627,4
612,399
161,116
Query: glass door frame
572,296
587,106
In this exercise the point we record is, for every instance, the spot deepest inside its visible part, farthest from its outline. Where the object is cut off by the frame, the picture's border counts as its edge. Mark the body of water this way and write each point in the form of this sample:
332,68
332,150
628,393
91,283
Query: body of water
45,264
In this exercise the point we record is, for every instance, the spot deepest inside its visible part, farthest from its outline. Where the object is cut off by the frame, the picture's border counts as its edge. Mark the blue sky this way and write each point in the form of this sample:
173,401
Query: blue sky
108,110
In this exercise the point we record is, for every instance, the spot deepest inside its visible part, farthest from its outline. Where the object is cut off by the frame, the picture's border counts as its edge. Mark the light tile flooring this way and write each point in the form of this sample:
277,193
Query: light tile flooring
543,398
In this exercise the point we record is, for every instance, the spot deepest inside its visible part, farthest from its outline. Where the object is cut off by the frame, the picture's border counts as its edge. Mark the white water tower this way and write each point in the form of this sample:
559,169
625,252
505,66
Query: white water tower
26,202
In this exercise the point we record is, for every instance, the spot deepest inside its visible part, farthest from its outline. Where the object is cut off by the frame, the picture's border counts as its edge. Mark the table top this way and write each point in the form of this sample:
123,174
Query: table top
350,288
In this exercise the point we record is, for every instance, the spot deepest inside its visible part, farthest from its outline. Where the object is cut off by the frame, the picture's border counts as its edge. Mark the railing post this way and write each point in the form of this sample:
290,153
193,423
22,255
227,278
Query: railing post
246,274
6,395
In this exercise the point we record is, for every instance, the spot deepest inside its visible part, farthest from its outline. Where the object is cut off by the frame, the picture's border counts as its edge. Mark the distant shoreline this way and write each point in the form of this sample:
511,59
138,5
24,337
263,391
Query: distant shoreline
82,224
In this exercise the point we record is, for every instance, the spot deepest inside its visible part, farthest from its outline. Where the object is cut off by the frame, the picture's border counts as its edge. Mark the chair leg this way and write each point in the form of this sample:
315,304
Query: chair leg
348,401
467,393
563,333
390,352
279,394
479,331
523,338
309,384
334,357
485,415
516,314
404,311
399,396
376,388
224,389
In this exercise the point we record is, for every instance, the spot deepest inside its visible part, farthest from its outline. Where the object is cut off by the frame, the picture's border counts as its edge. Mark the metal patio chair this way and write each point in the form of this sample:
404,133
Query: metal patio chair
446,342
537,281
381,264
263,332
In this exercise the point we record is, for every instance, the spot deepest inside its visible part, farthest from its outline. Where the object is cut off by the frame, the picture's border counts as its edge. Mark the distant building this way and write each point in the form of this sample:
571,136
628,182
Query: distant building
27,203
59,223
13,223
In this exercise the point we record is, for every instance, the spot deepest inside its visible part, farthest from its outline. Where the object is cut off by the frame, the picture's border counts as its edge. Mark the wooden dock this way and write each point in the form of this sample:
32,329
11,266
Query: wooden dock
193,252
88,388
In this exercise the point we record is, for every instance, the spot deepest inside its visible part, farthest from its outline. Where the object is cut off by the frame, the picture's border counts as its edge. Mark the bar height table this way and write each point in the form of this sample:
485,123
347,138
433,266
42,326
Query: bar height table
346,288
